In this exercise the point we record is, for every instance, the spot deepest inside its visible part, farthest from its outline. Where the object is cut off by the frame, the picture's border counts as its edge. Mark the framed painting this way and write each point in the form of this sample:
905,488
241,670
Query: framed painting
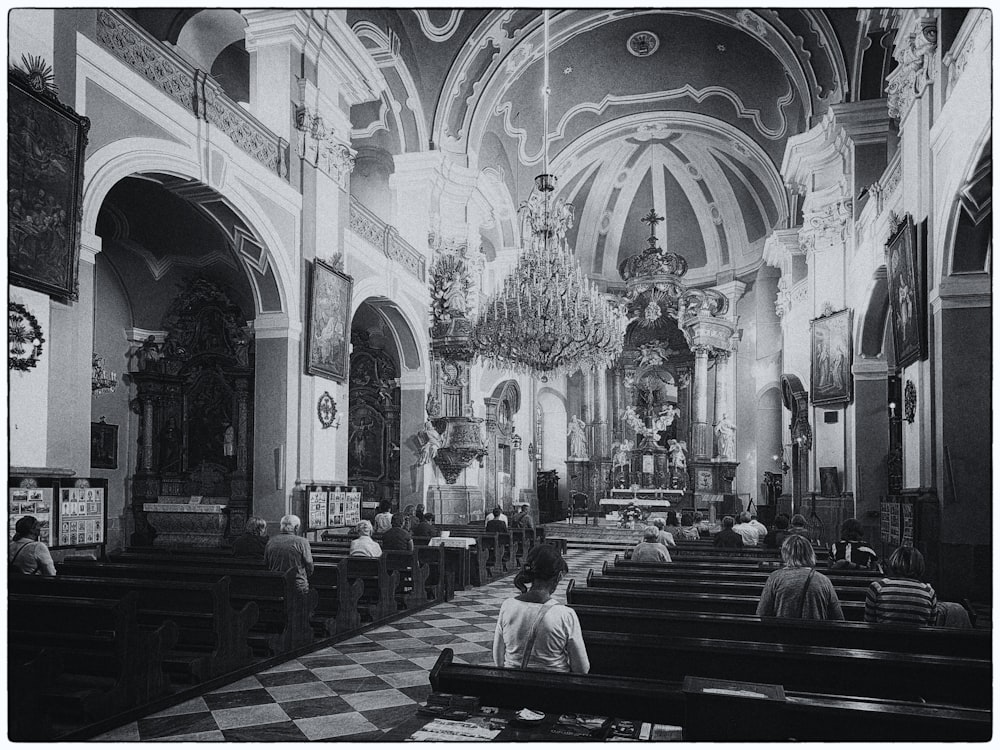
329,322
831,356
45,155
103,445
904,268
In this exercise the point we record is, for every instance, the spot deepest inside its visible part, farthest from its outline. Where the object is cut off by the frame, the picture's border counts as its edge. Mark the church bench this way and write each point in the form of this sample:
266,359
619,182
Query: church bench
975,644
751,573
493,547
30,672
283,623
681,601
953,680
710,554
707,584
447,568
376,599
802,716
108,663
211,634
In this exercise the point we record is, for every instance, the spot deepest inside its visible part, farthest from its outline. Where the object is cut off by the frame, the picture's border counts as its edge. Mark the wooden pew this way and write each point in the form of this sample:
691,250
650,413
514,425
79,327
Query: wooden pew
108,663
30,672
491,554
442,569
681,601
212,635
803,716
750,573
975,644
283,623
708,584
819,669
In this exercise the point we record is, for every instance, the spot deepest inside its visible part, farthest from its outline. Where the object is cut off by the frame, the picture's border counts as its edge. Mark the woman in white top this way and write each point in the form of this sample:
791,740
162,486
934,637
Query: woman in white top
364,545
533,630
383,519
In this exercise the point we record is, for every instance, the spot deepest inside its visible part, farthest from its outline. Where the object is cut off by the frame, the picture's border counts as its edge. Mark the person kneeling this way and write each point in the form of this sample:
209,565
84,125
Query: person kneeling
535,631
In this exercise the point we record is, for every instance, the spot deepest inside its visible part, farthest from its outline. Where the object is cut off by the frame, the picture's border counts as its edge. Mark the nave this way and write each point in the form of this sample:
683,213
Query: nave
356,690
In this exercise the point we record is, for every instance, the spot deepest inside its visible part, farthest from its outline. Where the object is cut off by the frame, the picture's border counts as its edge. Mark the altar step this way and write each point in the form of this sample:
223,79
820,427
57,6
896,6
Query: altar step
606,535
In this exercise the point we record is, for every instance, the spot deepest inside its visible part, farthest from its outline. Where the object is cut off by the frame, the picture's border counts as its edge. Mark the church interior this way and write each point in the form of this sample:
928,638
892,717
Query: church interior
589,267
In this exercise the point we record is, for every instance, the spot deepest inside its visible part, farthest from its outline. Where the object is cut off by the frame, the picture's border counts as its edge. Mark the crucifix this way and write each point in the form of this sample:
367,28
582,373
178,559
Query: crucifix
652,218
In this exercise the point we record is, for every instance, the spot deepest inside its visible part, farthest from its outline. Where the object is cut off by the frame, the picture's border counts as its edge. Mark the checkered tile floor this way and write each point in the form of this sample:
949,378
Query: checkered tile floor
355,691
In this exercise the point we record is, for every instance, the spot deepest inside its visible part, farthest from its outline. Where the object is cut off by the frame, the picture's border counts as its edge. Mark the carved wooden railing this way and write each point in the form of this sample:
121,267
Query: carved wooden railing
385,237
191,87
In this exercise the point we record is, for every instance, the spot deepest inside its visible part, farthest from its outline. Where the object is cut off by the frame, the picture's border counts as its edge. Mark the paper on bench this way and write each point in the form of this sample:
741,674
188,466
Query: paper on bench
737,693
443,730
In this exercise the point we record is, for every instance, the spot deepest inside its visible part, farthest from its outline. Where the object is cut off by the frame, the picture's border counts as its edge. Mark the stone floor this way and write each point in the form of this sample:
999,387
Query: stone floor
354,691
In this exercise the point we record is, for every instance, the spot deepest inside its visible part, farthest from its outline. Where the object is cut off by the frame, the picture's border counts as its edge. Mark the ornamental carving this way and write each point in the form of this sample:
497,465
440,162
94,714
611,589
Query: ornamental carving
463,444
910,402
915,55
320,147
385,238
451,283
825,226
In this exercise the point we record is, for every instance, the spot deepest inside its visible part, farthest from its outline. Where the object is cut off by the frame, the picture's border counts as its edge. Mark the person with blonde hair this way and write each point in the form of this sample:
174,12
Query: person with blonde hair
364,545
533,630
901,597
797,590
254,540
289,551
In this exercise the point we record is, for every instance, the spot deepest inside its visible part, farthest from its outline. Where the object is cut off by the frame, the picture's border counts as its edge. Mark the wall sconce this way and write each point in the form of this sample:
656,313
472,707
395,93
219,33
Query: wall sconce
892,410
101,381
516,442
780,461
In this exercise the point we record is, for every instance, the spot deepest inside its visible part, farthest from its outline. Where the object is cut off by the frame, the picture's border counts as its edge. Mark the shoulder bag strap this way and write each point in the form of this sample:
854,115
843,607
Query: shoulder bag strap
530,646
805,590
19,551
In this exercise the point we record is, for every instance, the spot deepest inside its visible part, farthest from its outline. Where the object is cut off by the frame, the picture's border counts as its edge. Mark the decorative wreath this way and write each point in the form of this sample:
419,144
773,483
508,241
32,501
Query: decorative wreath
326,410
24,338
910,402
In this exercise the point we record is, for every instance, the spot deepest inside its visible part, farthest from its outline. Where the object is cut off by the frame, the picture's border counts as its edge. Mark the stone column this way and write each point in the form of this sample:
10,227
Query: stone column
699,422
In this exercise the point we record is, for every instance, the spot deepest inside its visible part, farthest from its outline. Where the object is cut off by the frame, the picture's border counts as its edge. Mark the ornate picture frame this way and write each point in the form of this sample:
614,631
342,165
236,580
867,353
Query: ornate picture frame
831,356
904,268
103,445
329,322
45,188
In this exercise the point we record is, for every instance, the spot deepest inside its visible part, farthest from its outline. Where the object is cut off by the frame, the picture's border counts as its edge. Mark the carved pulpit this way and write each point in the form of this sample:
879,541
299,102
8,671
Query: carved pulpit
195,405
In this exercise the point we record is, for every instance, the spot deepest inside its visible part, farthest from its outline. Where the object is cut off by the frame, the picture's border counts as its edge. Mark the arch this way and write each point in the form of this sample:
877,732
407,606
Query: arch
549,391
406,316
207,33
510,391
954,208
130,156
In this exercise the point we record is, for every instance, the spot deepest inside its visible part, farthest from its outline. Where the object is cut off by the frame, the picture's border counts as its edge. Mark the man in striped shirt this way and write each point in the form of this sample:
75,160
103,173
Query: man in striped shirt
902,598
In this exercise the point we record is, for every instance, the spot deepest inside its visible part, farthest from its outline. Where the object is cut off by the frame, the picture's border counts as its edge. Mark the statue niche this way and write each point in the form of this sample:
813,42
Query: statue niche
195,405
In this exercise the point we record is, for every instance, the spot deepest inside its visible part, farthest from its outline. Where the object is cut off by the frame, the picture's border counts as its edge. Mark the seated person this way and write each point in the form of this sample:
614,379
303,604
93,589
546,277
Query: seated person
25,554
364,545
497,522
901,597
852,552
289,551
533,630
727,538
426,527
664,537
688,530
797,590
761,528
799,526
522,519
418,514
397,537
673,524
497,514
254,539
650,549
701,524
383,519
745,530
777,535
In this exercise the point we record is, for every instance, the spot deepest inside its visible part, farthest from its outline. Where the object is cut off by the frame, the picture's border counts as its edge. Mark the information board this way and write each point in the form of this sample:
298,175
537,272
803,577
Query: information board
884,521
81,516
34,501
906,532
318,500
332,506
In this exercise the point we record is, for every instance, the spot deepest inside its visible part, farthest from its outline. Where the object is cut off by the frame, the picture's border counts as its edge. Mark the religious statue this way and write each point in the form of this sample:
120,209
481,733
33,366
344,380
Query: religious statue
725,433
170,447
577,440
433,407
454,295
621,455
147,356
430,441
653,353
229,441
666,423
677,451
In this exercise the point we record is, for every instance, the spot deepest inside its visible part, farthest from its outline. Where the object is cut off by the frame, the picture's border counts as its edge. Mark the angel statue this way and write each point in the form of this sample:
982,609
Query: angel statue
677,451
620,454
430,441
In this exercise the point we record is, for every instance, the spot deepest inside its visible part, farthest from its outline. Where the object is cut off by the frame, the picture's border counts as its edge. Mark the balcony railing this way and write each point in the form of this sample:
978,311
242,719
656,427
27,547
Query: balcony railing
377,233
192,88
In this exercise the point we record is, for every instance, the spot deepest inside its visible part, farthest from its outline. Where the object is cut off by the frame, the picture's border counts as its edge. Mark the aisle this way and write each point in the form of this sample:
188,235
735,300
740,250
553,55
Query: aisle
354,691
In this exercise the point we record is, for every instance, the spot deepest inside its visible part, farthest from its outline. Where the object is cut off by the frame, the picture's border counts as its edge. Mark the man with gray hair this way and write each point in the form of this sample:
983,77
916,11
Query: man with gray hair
749,532
649,549
289,551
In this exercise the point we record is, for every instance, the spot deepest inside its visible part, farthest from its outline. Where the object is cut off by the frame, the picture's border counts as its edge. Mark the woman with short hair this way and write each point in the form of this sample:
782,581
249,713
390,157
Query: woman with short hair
797,590
901,597
364,545
534,630
25,554
254,539
688,530
852,552
383,519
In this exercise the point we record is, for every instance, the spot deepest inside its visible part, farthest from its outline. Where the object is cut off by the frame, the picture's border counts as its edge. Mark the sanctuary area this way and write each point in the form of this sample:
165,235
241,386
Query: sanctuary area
501,374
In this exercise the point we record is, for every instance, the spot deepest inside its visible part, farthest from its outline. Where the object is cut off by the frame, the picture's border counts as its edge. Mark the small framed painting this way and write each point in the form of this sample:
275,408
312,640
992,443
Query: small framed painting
103,445
831,356
329,322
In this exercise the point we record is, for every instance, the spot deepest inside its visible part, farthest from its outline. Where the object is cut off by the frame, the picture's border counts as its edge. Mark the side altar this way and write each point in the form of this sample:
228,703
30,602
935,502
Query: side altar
201,522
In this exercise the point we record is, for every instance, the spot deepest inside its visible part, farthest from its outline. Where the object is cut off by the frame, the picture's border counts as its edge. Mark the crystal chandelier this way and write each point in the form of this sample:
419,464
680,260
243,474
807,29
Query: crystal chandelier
548,317
101,381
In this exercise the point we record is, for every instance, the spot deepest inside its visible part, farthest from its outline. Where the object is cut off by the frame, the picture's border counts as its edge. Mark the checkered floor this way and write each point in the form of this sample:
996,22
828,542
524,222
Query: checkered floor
355,691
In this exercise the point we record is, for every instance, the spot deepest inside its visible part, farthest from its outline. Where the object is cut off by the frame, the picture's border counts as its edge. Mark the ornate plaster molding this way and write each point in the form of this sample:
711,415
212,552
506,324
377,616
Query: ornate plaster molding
915,48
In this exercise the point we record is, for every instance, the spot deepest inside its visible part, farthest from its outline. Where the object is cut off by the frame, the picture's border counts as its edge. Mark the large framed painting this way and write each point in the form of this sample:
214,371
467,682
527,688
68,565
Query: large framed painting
904,266
45,152
831,357
329,322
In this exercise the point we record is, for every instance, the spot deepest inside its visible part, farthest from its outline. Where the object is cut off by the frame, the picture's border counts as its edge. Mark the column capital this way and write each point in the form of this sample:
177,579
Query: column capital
870,368
708,333
276,325
915,49
90,245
